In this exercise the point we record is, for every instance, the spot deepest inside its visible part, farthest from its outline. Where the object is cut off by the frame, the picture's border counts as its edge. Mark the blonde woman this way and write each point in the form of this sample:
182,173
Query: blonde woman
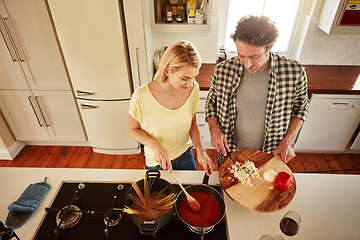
162,113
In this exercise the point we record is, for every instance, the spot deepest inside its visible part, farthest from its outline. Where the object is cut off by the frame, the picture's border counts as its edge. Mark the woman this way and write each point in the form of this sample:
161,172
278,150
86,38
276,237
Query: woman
162,113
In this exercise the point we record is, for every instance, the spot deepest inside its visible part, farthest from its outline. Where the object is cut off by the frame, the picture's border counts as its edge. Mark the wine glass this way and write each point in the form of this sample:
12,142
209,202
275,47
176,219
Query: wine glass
290,223
268,237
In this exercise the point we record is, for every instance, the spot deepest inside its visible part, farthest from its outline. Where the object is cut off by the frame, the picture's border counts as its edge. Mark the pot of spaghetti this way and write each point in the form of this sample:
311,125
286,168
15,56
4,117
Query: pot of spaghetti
150,203
212,207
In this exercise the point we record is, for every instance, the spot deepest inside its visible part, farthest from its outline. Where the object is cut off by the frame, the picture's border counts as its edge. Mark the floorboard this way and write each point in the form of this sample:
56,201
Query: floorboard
84,157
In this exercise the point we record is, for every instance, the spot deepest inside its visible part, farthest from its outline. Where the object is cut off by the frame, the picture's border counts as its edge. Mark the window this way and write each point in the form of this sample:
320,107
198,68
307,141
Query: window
286,15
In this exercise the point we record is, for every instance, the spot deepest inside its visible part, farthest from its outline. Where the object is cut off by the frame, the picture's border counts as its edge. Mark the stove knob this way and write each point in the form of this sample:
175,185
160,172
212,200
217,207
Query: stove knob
120,187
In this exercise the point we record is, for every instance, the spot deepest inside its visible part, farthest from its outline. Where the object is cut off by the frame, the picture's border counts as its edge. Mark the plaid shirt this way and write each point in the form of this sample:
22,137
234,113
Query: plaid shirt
287,97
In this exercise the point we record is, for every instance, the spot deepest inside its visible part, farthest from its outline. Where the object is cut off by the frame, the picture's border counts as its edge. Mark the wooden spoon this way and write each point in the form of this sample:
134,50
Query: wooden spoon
193,203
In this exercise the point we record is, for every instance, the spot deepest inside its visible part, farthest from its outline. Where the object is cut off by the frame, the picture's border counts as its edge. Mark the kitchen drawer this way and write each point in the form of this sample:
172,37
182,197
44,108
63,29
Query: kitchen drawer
200,119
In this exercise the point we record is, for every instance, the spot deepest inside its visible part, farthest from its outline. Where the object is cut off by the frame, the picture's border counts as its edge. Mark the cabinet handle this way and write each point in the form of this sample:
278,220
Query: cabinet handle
85,92
36,114
6,41
340,104
88,106
42,111
12,40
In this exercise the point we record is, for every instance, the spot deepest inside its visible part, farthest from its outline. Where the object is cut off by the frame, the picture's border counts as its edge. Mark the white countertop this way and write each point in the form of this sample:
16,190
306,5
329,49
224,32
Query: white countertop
328,204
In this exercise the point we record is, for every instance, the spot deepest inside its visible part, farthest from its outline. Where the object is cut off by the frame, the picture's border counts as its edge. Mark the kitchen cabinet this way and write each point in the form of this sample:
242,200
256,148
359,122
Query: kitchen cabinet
41,115
332,121
202,124
332,16
175,27
29,53
139,41
36,96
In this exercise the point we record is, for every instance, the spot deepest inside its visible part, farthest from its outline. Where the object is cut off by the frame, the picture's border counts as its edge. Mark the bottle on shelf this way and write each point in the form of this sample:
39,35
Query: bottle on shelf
7,233
191,8
158,13
167,12
180,18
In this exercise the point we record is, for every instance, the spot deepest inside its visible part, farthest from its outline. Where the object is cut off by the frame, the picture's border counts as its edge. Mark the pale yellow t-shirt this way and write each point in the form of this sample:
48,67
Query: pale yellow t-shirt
169,127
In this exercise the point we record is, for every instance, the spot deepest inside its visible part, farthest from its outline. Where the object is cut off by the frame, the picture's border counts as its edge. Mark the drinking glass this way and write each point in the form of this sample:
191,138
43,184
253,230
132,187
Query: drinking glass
268,237
290,223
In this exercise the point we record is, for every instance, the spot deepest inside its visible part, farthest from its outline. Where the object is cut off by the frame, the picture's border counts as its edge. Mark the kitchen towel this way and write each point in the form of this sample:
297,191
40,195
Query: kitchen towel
28,202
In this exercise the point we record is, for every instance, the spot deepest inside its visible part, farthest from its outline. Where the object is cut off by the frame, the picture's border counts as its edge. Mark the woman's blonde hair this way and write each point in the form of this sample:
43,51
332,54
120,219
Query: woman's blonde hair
177,55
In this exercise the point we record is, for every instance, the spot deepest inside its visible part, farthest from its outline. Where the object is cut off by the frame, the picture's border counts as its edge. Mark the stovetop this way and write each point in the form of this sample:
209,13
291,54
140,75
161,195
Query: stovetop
95,199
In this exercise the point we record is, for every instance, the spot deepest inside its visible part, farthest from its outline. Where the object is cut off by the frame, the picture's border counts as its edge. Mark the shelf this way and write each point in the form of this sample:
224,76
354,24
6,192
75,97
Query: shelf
179,27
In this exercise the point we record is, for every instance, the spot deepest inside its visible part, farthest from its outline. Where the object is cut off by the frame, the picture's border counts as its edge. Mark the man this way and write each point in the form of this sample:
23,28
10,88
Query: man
258,99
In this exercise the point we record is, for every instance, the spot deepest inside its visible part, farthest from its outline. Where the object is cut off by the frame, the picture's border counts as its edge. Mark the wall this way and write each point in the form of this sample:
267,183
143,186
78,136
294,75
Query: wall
321,48
205,43
318,48
9,147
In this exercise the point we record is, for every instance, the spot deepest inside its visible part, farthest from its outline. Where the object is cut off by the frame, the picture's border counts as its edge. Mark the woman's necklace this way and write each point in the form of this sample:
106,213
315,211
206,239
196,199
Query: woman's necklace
172,96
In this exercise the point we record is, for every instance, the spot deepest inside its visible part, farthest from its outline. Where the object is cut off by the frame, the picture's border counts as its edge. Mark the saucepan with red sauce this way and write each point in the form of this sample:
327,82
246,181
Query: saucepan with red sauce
212,207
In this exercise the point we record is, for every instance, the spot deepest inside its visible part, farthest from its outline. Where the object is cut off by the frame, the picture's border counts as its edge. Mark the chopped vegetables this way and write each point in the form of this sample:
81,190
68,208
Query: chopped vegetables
269,175
244,172
284,181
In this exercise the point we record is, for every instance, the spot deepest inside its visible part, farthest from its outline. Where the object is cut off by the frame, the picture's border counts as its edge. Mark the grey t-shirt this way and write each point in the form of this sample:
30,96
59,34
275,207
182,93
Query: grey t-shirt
251,98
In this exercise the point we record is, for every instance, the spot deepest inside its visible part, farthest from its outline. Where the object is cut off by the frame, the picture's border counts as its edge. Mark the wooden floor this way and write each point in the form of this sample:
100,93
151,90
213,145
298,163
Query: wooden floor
84,157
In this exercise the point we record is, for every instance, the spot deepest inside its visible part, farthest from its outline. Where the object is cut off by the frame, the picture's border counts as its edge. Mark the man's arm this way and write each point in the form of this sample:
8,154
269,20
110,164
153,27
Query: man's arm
218,139
285,149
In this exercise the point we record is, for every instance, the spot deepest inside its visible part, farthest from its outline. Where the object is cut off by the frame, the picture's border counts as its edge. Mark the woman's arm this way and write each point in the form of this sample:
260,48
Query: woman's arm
202,156
161,154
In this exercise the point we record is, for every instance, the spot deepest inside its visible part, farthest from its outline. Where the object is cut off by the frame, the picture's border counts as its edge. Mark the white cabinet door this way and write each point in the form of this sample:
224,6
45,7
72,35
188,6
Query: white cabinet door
34,42
23,115
46,116
106,124
11,76
200,119
93,42
140,55
60,115
331,122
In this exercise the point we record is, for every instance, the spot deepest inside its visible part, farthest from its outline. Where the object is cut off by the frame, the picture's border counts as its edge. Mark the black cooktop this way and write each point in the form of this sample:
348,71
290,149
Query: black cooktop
98,197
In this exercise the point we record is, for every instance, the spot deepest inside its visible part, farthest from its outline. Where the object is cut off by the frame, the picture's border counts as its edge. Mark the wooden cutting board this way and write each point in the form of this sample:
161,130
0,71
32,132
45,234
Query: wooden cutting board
259,197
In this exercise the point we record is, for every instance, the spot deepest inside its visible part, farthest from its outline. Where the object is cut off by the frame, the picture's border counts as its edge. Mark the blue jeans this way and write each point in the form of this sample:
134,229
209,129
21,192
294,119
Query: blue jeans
185,162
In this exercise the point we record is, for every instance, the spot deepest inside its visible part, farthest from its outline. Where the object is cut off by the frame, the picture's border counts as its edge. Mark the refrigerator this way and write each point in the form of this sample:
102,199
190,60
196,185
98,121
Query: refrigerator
93,39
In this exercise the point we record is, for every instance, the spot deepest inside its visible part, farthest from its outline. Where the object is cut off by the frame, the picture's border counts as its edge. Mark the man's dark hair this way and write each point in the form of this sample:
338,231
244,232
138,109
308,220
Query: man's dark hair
256,30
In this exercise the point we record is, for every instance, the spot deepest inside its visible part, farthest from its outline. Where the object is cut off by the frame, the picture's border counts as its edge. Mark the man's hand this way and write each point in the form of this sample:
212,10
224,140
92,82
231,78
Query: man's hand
218,139
286,151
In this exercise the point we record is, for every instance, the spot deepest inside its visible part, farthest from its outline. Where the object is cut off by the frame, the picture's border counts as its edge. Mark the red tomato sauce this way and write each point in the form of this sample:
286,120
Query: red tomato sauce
208,215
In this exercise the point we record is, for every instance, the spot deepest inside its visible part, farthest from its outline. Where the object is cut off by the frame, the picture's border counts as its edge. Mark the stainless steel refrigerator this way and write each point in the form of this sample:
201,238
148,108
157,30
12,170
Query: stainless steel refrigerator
95,48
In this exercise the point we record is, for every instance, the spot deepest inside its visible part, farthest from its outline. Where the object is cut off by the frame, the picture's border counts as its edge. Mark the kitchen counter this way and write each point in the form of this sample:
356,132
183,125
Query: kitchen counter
321,79
328,204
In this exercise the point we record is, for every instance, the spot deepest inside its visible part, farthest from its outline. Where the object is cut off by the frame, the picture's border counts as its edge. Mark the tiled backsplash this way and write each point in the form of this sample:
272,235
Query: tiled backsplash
321,48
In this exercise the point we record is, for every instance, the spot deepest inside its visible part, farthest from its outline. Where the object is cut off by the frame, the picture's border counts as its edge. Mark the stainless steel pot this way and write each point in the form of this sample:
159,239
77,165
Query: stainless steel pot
204,187
150,226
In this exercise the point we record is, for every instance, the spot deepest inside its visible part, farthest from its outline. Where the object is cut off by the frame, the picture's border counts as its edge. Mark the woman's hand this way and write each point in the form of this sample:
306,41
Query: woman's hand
162,156
205,161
